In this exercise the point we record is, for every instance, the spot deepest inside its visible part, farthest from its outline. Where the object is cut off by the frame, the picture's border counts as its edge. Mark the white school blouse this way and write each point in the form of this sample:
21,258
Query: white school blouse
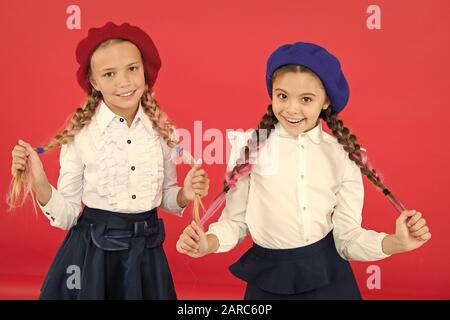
299,189
113,167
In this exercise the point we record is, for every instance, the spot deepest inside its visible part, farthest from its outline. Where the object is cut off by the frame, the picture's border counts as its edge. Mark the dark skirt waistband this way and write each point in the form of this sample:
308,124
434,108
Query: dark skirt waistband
294,253
100,215
295,271
113,231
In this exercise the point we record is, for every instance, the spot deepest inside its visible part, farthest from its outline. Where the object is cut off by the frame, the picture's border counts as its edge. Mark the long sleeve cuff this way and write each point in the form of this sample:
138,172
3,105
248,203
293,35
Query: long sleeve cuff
227,240
56,212
367,247
169,201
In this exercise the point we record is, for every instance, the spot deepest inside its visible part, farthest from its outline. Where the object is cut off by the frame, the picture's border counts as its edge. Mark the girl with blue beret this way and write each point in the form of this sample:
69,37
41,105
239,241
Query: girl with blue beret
302,197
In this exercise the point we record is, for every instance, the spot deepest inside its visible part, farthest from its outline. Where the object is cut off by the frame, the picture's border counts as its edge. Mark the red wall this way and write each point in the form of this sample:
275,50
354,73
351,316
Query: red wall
214,55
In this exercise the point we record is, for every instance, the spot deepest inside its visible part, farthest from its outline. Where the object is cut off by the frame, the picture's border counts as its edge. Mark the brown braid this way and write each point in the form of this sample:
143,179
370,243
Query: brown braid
267,124
348,141
340,132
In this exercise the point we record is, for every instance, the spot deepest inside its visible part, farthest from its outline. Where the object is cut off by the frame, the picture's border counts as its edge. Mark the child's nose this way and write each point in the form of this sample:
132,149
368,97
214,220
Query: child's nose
123,80
292,107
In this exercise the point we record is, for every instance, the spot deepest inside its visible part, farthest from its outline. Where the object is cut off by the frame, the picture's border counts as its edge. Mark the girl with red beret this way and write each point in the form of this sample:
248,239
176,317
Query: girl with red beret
116,160
298,190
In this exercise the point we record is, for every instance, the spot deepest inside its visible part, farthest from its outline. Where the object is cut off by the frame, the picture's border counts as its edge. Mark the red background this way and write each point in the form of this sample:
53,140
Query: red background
214,55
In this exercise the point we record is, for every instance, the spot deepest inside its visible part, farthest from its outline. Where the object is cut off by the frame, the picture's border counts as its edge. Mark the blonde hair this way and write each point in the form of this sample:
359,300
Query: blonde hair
21,188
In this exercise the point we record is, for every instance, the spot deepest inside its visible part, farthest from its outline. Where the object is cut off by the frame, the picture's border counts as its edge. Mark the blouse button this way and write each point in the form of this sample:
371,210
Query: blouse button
133,196
132,168
304,208
303,147
302,177
122,120
129,141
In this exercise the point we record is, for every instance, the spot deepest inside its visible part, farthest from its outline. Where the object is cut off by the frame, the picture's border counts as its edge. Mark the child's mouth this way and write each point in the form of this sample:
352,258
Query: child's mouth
293,121
127,94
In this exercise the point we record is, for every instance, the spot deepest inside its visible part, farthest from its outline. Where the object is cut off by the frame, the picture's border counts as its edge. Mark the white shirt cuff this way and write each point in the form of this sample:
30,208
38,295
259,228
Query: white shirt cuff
226,243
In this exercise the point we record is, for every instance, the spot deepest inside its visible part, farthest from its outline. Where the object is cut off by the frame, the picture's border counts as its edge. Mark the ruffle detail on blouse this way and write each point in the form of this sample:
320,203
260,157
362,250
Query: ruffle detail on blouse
114,169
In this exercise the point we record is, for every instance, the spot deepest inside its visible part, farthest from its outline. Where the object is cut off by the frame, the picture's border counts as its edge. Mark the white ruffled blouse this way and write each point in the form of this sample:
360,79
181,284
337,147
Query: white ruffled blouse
114,167
300,189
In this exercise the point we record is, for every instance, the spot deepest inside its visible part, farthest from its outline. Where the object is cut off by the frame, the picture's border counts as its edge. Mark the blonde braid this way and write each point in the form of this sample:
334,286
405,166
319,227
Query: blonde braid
20,187
158,117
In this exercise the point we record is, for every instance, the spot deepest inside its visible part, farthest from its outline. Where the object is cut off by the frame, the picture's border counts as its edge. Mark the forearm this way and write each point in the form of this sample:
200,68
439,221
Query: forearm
43,190
391,245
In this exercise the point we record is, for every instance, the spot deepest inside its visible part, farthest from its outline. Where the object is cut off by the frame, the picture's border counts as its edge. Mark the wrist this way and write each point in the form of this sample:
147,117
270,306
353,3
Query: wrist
392,245
213,243
39,182
182,200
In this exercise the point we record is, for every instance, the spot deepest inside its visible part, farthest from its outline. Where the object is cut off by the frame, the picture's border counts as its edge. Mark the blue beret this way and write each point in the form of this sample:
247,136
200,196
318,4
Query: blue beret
317,59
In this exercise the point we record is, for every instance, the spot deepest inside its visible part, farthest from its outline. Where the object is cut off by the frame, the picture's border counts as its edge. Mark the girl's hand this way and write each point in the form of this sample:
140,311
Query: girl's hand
193,241
411,230
24,157
195,182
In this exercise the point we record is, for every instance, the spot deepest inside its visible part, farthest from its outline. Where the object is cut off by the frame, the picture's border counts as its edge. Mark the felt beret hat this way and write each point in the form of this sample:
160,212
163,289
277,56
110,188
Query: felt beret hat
325,65
87,46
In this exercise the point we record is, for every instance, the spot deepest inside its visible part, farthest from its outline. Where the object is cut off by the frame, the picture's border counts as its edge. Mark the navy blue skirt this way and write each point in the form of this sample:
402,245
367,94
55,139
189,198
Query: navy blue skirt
109,255
315,271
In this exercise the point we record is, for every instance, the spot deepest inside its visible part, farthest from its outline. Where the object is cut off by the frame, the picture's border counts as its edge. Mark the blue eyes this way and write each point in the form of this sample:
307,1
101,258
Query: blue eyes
110,74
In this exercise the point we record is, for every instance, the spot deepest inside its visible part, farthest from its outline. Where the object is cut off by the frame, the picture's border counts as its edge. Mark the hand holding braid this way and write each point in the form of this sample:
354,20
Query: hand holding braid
23,179
243,164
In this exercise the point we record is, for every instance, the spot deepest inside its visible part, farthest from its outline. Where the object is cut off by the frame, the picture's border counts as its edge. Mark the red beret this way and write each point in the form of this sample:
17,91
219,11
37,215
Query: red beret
87,46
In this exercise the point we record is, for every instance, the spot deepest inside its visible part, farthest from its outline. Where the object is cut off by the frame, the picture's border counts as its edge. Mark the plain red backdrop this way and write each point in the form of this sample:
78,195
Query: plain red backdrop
214,55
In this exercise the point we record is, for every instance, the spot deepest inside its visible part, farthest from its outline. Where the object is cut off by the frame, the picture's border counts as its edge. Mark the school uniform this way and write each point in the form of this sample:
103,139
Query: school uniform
113,249
302,205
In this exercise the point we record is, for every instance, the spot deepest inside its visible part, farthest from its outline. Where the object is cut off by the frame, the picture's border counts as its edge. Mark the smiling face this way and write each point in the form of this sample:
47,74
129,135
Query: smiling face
117,71
297,100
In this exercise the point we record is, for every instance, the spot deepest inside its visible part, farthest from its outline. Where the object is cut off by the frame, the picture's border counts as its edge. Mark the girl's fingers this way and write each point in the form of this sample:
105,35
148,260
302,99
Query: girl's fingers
200,190
419,224
189,244
191,233
20,148
197,228
420,232
199,172
28,147
414,219
426,236
199,179
180,248
19,154
199,185
20,161
18,167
